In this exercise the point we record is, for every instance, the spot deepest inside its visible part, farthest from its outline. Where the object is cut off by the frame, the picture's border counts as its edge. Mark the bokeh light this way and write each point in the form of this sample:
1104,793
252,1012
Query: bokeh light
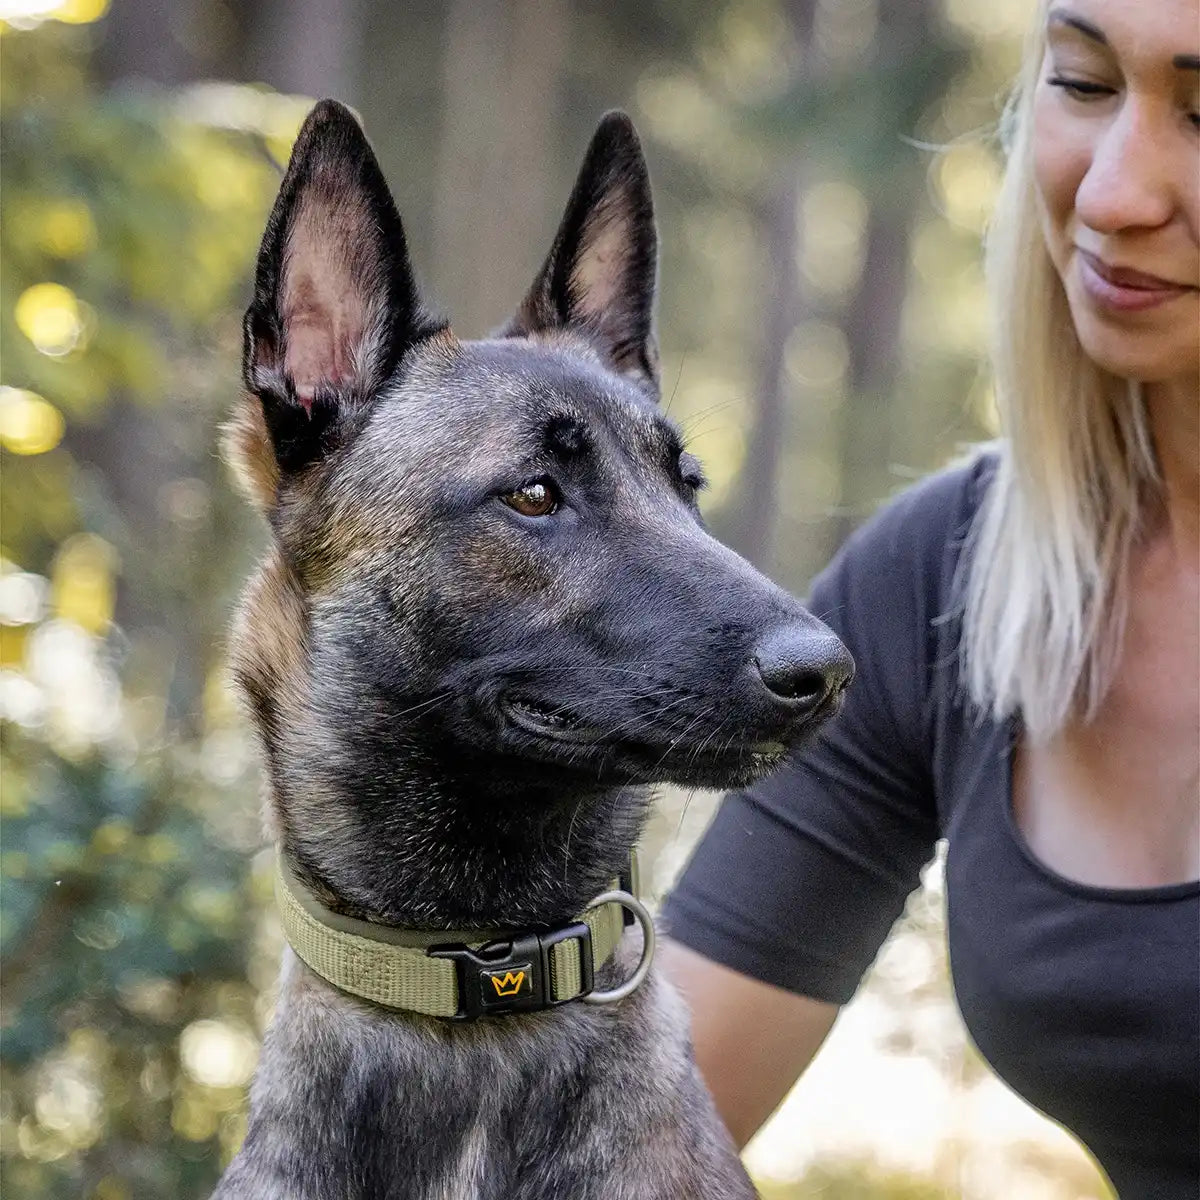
833,217
967,178
83,584
67,228
51,317
217,1054
29,424
26,13
818,355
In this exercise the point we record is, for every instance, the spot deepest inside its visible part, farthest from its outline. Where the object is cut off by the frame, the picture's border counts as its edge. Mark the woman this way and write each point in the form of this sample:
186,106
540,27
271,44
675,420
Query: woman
1027,632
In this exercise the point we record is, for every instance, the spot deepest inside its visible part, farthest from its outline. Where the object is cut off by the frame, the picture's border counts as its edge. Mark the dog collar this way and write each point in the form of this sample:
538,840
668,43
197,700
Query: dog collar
463,974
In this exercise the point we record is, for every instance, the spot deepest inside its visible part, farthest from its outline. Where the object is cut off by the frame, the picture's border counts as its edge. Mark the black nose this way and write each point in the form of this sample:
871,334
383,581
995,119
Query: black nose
801,667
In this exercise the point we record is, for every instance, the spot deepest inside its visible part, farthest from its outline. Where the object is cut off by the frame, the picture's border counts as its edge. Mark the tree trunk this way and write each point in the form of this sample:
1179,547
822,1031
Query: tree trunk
750,527
752,531
873,326
502,74
873,320
309,47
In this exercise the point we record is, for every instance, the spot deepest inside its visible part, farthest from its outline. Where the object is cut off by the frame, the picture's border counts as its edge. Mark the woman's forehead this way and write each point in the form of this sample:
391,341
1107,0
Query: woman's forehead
1162,31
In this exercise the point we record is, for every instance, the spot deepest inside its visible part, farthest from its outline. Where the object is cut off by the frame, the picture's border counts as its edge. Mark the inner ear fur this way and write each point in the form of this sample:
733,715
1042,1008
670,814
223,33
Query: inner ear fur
599,278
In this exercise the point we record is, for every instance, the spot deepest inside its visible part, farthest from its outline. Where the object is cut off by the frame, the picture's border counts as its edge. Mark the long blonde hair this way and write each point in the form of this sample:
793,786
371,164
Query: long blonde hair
1045,584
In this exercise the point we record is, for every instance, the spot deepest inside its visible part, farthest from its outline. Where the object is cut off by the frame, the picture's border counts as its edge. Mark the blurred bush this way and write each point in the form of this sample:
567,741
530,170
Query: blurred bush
126,780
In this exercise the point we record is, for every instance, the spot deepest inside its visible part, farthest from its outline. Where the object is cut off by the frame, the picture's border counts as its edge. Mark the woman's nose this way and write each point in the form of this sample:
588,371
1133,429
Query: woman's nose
1130,181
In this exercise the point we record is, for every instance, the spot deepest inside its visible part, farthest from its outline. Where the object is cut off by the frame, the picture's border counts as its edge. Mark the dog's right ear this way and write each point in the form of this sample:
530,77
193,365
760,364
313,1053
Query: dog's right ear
599,277
335,304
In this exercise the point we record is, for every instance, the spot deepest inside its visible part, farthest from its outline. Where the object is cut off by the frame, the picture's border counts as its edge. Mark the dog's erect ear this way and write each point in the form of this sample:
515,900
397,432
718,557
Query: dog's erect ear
599,277
335,301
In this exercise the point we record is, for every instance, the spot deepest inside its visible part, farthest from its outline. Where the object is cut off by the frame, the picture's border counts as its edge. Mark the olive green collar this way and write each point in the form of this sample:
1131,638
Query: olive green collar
460,974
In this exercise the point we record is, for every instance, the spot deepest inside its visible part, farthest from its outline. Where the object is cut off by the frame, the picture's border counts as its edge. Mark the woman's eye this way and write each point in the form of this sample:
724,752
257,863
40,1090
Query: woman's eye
1081,89
537,499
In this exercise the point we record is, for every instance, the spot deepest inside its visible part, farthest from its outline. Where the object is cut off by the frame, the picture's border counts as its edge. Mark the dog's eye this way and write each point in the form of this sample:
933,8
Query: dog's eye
692,473
537,499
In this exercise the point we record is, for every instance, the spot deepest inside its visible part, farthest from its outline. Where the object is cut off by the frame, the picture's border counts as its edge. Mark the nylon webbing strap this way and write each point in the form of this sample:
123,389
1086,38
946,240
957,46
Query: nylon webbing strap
607,923
375,963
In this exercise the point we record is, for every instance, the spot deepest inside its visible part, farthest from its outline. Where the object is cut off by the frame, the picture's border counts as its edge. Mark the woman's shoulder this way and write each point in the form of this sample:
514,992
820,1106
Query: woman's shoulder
913,543
934,512
891,595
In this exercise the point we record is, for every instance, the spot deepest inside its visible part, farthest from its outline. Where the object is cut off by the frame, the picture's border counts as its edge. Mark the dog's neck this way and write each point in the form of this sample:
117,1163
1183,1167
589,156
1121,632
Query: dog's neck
481,849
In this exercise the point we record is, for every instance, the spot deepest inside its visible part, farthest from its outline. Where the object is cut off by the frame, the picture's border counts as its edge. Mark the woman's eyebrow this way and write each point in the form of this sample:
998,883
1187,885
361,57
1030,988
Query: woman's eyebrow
1060,16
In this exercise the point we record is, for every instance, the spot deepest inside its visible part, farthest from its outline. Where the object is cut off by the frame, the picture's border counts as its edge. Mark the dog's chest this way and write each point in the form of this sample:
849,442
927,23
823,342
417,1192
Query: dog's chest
584,1106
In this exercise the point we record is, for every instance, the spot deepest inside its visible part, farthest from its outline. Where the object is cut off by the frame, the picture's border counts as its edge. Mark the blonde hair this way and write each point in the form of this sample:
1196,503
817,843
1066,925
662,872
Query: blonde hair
1045,578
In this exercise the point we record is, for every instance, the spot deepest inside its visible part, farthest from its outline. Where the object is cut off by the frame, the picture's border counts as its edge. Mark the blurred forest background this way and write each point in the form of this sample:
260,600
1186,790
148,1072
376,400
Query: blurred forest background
822,170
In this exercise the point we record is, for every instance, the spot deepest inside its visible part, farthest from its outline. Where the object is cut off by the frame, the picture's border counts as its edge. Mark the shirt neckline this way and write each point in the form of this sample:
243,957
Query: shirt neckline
1159,893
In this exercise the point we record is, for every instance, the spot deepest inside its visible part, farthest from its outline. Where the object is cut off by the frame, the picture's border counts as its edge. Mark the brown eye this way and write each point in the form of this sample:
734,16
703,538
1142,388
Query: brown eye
537,499
691,472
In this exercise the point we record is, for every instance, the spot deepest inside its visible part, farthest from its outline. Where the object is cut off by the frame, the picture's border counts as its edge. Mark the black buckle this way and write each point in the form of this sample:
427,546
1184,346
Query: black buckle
513,975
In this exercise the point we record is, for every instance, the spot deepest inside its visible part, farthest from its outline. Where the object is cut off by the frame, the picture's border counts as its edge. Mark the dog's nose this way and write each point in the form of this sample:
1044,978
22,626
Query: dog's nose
801,667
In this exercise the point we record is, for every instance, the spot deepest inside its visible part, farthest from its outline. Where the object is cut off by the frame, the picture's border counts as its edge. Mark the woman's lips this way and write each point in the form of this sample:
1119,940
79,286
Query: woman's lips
1122,288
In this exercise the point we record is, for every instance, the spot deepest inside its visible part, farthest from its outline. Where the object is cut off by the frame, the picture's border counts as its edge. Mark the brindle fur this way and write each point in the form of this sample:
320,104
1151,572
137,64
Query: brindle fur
401,603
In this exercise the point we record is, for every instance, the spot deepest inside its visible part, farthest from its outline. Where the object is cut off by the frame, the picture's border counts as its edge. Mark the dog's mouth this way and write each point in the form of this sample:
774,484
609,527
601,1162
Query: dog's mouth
704,757
558,724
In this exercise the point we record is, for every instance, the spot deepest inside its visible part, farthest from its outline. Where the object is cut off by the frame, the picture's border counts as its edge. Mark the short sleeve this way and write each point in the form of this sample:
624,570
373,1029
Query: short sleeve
800,877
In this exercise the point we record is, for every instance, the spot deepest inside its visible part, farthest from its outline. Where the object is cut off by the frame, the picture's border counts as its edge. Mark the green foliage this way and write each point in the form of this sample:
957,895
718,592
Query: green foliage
124,921
146,217
127,908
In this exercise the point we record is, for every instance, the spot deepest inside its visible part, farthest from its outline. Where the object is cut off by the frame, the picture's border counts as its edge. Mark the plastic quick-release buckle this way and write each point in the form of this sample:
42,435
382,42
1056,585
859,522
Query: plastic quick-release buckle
513,975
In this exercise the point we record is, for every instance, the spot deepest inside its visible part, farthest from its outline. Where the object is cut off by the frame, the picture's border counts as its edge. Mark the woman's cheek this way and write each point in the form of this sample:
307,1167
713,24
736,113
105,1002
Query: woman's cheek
1060,162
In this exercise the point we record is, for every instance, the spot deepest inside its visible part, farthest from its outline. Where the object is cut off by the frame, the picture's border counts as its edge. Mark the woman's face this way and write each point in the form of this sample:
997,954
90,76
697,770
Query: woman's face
1116,140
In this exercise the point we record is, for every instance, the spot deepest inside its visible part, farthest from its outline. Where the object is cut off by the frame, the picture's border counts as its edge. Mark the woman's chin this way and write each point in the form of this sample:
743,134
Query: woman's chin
1160,353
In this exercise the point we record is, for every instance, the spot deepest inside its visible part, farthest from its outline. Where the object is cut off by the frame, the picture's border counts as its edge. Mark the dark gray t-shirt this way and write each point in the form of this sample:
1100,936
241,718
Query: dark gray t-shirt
1086,1000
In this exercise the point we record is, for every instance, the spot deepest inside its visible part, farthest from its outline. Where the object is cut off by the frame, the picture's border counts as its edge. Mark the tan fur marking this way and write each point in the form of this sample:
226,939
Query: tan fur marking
268,650
246,448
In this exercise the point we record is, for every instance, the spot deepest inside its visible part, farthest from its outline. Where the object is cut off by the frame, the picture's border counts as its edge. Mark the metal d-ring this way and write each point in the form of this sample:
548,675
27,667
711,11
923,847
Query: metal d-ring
639,910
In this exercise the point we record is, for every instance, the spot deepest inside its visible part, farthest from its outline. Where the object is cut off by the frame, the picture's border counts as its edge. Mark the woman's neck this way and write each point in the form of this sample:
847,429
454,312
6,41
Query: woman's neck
1173,409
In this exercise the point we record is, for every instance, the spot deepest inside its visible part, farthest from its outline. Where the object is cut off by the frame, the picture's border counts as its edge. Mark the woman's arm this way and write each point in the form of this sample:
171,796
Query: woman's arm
752,1039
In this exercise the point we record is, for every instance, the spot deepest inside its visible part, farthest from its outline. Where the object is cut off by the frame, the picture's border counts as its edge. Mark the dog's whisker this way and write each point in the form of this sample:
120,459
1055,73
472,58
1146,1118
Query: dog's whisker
570,828
678,377
704,741
677,740
424,704
690,424
687,800
645,718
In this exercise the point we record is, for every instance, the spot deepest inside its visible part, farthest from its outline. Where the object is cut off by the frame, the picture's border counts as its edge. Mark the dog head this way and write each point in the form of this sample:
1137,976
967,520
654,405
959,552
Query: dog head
491,594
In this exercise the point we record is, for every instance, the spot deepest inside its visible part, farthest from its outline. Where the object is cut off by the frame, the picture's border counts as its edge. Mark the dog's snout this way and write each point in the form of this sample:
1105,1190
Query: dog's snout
803,668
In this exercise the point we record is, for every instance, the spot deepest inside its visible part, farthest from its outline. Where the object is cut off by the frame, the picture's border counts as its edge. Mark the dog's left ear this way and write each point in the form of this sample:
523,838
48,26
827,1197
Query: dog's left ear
599,277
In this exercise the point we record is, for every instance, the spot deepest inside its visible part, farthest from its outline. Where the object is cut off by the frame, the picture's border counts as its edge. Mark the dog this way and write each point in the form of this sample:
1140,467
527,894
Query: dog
489,619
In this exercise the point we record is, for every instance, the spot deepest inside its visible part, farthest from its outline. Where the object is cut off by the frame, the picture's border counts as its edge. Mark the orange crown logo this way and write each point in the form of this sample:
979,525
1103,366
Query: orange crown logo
508,984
